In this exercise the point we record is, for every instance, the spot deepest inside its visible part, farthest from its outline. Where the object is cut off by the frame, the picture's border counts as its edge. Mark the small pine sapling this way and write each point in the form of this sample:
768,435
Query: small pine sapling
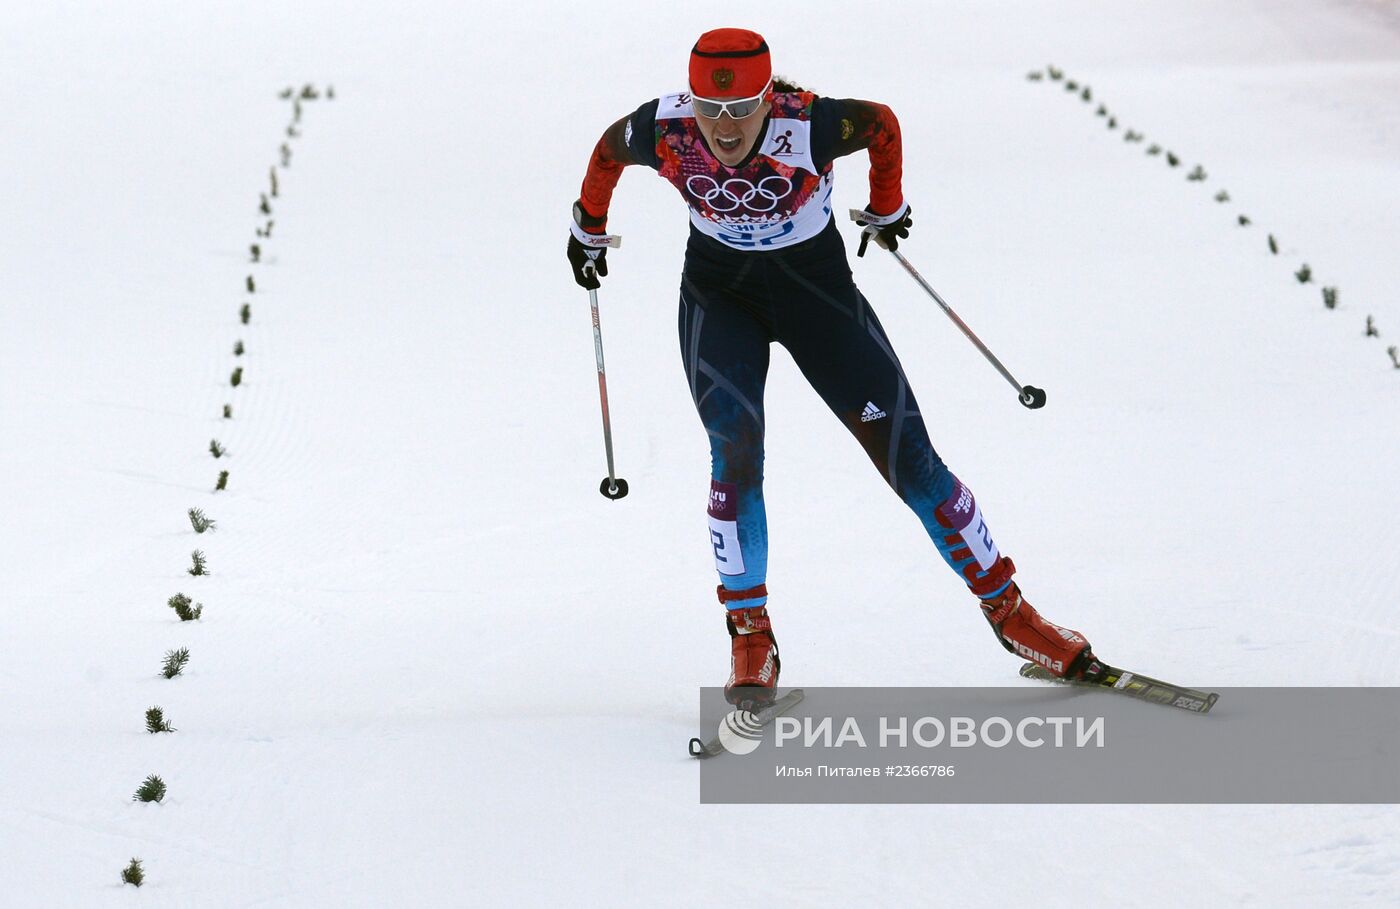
200,521
216,449
1244,221
248,282
308,92
1394,355
156,721
1101,112
1371,328
184,609
1112,122
152,789
263,205
255,251
1055,73
1035,76
1132,135
330,92
1071,86
1329,297
1154,149
238,348
272,176
222,483
286,93
228,411
245,313
237,378
286,151
132,874
1273,245
200,566
1304,274
292,132
1198,174
1172,159
175,662
1222,196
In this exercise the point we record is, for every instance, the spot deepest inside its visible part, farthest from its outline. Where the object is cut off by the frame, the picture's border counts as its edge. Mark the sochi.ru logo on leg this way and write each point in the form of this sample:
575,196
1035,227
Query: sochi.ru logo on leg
740,732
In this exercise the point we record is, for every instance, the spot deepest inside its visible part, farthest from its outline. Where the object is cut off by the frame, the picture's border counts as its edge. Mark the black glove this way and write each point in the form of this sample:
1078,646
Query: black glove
588,248
588,263
886,229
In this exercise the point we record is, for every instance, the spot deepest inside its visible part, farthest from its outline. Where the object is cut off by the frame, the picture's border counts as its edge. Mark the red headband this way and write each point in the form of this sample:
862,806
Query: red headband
729,63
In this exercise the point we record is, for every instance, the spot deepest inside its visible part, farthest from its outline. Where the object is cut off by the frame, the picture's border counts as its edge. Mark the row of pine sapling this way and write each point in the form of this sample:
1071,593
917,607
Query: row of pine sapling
153,788
1197,174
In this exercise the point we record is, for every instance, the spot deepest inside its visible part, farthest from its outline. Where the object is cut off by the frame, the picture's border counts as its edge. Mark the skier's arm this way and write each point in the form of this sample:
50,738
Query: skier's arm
623,143
631,140
605,166
843,126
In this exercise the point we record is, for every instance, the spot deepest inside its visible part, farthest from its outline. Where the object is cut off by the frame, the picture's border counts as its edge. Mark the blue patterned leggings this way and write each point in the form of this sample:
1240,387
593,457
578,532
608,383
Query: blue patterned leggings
733,305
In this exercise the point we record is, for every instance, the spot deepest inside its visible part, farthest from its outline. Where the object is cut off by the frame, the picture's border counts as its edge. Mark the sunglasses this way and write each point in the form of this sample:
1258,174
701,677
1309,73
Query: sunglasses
738,109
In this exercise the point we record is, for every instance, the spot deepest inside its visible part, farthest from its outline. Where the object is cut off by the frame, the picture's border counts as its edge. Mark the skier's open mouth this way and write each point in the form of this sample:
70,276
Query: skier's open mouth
729,145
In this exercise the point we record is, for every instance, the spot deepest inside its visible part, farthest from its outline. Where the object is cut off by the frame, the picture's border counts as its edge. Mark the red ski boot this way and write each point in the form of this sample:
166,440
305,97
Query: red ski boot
1022,631
753,664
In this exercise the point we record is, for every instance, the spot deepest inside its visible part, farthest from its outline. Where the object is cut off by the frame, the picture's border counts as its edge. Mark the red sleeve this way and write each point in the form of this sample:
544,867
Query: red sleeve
843,126
886,162
605,166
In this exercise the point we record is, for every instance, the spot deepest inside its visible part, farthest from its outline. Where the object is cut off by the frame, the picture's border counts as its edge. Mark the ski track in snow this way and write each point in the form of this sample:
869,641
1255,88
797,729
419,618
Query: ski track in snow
407,687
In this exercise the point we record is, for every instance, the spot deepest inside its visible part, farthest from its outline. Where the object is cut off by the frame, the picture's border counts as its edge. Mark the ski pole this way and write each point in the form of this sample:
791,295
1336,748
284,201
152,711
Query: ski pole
1028,395
613,486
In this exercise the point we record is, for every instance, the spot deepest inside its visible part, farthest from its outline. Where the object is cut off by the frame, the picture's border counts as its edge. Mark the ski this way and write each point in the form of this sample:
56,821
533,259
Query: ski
1133,685
756,720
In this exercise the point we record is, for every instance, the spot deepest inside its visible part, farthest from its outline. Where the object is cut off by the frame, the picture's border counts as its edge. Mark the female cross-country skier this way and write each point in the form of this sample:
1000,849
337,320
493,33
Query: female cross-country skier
753,161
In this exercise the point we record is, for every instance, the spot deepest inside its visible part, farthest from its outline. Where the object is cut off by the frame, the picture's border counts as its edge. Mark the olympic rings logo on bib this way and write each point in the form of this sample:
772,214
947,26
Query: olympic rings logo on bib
736,191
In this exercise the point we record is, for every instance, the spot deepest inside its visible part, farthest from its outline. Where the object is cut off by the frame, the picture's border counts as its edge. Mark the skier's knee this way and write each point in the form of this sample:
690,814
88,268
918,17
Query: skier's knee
738,460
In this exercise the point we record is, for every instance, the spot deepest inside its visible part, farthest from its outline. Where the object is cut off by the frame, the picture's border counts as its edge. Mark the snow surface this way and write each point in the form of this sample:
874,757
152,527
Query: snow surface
437,668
